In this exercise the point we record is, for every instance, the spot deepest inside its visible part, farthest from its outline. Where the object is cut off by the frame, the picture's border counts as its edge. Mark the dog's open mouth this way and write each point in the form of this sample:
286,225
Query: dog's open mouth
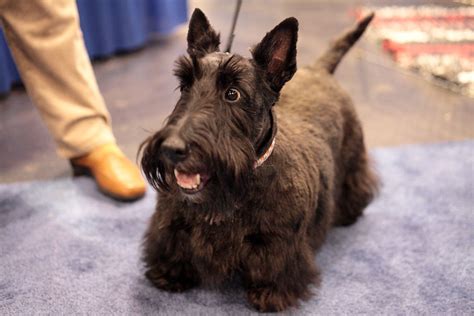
190,183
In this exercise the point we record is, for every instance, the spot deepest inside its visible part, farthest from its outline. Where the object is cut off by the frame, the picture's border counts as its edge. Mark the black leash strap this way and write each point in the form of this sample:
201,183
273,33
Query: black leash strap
234,22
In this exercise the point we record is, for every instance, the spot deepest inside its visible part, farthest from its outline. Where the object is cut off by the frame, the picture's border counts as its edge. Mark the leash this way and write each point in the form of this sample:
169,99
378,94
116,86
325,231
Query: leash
230,39
232,29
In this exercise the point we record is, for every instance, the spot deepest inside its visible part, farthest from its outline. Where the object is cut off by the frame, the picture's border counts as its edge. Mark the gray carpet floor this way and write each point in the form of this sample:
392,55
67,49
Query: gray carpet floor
65,249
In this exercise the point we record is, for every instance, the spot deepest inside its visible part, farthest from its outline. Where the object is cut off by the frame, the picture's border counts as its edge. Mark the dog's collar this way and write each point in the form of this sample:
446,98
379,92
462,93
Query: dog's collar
265,156
268,145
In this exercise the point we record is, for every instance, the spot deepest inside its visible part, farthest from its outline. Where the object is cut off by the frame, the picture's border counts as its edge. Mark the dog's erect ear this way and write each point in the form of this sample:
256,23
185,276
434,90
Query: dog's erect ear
202,39
276,53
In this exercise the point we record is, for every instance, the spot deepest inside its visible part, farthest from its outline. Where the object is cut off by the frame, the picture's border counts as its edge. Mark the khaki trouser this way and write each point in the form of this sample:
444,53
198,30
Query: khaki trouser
48,48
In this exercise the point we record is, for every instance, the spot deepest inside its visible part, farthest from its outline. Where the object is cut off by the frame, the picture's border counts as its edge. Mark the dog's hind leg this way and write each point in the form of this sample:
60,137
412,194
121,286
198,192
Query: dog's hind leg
358,183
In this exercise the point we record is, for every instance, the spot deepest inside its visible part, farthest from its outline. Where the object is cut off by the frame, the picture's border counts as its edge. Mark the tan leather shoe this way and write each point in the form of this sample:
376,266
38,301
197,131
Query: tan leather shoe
114,173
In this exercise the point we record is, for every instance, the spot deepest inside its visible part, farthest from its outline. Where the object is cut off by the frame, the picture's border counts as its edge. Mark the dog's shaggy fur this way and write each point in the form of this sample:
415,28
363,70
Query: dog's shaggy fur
262,223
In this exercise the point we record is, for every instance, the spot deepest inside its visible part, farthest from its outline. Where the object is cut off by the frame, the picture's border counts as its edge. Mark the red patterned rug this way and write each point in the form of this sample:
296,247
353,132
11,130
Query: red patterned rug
435,41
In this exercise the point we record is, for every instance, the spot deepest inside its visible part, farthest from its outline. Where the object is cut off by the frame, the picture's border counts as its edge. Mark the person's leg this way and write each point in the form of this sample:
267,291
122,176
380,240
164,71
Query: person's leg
47,45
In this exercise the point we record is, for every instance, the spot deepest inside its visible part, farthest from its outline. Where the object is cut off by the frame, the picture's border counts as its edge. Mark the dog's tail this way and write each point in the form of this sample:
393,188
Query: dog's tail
331,58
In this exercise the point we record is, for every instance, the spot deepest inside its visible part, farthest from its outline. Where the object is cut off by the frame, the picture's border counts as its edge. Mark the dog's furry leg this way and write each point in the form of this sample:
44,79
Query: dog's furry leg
167,254
359,182
358,190
276,280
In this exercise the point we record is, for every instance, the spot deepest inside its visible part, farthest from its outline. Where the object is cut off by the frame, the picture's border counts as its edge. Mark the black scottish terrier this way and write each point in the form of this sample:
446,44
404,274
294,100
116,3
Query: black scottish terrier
250,176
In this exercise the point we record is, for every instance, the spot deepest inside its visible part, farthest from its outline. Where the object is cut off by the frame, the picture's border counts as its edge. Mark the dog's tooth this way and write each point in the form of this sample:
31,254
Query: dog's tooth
187,181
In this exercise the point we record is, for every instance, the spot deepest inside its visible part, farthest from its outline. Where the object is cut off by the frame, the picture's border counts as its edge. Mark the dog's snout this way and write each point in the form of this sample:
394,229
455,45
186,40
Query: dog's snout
174,148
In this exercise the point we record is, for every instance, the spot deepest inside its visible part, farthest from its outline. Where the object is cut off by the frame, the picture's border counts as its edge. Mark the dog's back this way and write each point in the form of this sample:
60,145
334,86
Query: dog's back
314,110
313,93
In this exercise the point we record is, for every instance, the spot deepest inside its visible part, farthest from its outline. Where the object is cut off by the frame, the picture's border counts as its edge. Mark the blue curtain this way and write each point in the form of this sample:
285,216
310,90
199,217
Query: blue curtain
110,26
8,72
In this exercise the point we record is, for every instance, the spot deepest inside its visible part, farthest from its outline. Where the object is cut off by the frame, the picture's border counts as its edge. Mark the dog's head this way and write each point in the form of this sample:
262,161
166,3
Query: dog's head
223,122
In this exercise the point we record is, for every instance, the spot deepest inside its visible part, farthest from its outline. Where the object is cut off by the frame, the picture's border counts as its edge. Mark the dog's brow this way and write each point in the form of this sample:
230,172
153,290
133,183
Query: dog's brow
230,70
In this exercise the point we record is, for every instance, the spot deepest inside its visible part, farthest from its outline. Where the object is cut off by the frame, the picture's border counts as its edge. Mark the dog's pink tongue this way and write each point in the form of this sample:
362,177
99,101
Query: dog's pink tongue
187,181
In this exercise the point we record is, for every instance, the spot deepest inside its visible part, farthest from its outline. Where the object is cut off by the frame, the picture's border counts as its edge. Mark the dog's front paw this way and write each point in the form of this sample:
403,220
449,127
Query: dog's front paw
176,278
269,299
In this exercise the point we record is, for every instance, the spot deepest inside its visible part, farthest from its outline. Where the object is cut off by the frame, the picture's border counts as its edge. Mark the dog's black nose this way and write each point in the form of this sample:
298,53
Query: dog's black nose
174,148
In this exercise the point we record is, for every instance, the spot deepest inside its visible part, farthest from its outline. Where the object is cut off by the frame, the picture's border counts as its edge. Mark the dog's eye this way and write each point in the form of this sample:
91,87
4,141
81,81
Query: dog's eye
232,95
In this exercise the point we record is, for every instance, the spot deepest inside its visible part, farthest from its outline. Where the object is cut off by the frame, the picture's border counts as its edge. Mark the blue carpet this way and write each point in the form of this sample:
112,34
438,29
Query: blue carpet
65,249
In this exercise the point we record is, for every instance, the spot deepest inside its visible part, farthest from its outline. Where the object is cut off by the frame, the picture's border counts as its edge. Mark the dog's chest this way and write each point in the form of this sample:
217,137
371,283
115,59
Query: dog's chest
216,248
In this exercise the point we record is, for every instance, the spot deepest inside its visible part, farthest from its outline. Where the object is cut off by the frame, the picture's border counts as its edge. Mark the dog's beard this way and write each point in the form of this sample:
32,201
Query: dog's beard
228,168
224,185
